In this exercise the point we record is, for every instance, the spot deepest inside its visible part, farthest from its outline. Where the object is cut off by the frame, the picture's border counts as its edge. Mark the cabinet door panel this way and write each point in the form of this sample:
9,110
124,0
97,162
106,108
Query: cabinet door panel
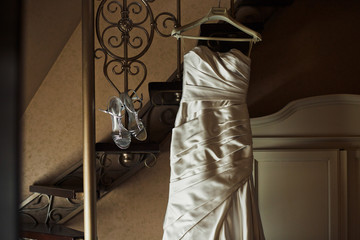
298,193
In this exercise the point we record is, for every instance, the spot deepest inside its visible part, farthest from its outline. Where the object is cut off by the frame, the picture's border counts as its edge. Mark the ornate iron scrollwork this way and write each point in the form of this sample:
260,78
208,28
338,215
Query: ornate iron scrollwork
48,209
125,31
167,17
110,172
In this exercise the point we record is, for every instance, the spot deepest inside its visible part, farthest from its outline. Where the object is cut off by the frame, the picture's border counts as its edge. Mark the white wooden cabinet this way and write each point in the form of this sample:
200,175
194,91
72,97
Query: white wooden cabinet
301,169
298,193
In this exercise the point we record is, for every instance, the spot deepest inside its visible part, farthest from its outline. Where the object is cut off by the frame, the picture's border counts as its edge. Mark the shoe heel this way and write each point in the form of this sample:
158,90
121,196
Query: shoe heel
136,127
120,135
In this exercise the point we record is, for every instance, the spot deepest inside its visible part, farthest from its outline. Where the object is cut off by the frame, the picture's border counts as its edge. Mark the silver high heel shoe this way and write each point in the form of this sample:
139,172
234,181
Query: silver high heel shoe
136,127
120,135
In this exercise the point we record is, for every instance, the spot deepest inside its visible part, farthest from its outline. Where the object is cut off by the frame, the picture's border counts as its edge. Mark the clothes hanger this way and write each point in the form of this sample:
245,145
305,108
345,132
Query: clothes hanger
217,14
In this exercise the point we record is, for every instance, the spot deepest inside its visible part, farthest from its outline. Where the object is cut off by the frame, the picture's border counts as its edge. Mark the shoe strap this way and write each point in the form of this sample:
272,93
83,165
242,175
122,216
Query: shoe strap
112,114
136,98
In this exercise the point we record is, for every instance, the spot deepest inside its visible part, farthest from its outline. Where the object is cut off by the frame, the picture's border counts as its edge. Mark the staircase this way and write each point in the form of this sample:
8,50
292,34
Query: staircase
51,205
55,203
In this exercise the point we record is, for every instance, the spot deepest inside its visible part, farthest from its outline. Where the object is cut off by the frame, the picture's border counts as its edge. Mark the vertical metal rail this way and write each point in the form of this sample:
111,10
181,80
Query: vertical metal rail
178,17
232,8
125,15
88,88
126,50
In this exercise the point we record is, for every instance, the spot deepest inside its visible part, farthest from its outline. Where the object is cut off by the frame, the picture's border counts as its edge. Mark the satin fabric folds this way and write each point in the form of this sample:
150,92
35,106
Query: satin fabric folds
211,192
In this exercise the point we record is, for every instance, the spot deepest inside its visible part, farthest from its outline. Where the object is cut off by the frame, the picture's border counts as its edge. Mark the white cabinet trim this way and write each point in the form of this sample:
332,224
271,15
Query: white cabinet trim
294,106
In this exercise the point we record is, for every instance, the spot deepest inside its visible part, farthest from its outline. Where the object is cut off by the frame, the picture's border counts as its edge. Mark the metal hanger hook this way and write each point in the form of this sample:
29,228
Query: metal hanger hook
219,3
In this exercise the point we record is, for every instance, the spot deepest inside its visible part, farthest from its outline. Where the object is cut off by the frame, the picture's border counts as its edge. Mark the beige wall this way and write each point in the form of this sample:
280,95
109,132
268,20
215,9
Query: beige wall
308,49
46,27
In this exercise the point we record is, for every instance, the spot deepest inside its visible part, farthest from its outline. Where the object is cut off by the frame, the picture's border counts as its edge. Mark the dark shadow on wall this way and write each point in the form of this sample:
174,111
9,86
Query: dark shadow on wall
308,49
9,123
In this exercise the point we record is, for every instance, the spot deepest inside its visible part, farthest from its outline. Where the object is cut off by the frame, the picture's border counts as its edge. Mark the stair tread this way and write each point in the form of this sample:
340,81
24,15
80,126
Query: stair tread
71,192
134,148
44,231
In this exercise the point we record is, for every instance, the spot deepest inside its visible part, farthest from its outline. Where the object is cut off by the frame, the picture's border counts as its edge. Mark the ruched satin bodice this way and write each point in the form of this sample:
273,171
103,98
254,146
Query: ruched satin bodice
211,192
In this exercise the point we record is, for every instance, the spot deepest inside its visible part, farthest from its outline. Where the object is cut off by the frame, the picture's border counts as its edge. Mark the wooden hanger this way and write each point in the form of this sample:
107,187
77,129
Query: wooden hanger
217,14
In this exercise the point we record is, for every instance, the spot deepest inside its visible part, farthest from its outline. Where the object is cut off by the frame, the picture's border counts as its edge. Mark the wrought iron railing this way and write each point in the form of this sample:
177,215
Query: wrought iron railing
125,31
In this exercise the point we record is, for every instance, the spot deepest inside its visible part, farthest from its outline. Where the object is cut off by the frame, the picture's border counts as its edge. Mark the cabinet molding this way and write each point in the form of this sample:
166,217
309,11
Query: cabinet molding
299,193
290,138
330,116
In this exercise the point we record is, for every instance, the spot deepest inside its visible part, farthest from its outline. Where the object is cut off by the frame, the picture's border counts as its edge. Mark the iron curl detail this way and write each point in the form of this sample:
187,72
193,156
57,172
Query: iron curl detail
139,39
111,42
116,64
116,39
112,7
57,213
134,69
38,204
132,8
168,17
115,25
54,216
30,212
139,44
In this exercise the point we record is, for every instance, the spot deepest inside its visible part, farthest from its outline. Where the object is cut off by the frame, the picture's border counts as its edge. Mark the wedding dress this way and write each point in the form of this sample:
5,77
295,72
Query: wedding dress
211,194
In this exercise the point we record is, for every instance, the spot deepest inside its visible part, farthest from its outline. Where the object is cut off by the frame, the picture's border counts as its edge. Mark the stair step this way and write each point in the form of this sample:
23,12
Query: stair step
72,192
165,93
49,232
111,148
75,190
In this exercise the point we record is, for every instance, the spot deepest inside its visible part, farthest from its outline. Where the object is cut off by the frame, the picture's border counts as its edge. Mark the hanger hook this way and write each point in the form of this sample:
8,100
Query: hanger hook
219,3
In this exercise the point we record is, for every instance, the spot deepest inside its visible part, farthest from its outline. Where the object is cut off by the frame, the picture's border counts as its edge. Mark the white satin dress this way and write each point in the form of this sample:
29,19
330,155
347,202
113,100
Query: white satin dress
211,194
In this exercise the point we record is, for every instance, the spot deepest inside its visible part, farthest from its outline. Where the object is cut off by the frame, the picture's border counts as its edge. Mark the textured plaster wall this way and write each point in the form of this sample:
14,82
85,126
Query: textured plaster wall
52,123
307,50
46,27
